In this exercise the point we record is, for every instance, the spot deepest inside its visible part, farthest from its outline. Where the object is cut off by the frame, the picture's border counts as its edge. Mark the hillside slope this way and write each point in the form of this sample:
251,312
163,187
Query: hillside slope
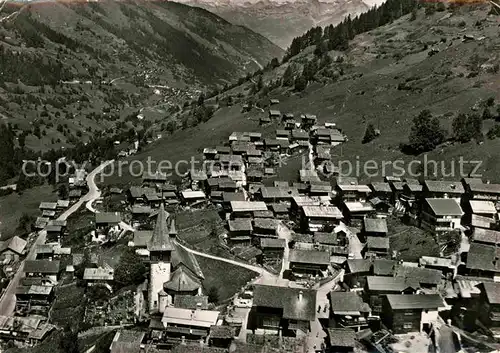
445,61
282,21
86,61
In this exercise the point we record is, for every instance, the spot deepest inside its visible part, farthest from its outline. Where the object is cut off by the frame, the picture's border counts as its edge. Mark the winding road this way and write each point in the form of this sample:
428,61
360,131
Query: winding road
7,301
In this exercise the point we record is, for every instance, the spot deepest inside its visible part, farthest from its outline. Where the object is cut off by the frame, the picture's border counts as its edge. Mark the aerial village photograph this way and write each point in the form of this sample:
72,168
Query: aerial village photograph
249,176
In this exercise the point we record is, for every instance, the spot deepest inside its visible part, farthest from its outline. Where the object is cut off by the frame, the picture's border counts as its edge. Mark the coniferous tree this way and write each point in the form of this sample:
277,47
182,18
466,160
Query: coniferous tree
426,133
288,78
370,134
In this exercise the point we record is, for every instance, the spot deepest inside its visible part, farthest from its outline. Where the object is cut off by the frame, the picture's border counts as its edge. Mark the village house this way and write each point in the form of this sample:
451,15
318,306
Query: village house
274,101
403,313
193,325
197,178
300,136
321,189
221,336
100,276
356,273
377,246
411,193
487,192
137,195
339,340
486,236
378,286
42,269
29,330
277,194
51,251
375,227
384,267
484,261
12,249
480,208
353,192
280,210
308,120
272,249
477,221
209,153
140,214
382,190
445,265
106,220
347,310
265,227
190,197
420,277
34,300
443,189
282,134
488,307
355,212
282,310
309,262
264,120
316,218
230,162
245,209
441,215
240,231
263,214
274,115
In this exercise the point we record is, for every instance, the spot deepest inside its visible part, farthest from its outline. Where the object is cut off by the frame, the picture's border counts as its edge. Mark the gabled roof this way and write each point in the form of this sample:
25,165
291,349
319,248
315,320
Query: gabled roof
309,257
377,243
297,304
375,225
485,188
14,244
415,301
486,236
98,274
191,301
269,243
248,206
160,240
181,257
187,317
341,337
222,332
479,206
381,187
325,238
452,187
384,267
419,275
445,207
240,224
359,265
390,284
322,212
182,281
41,266
347,302
483,257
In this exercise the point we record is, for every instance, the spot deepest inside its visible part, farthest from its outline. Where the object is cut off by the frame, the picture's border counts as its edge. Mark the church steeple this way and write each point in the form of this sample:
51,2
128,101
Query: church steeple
160,240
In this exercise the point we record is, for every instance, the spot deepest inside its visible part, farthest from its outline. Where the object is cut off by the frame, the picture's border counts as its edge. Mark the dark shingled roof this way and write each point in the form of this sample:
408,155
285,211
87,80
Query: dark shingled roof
359,265
485,188
483,257
341,337
224,332
160,240
295,306
383,267
377,243
393,284
417,276
41,266
347,301
182,281
381,187
325,238
375,225
309,257
269,243
240,224
453,187
191,301
415,301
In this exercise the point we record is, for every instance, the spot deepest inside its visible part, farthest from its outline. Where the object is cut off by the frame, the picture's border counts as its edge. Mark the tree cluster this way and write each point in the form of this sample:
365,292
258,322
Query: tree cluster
467,127
426,134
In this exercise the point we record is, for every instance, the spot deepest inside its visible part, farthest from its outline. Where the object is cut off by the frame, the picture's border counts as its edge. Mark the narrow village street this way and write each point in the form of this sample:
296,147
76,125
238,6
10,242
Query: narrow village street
8,301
